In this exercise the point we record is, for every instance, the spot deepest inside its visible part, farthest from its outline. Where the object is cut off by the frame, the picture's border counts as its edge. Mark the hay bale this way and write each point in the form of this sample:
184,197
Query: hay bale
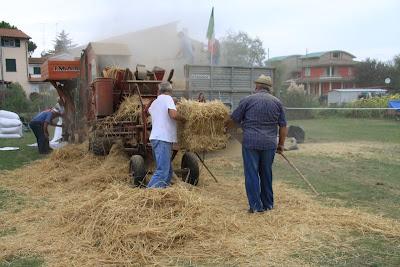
204,128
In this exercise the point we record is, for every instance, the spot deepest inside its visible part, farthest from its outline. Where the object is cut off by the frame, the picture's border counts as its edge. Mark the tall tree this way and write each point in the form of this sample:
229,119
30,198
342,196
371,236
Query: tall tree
62,43
372,72
31,45
242,50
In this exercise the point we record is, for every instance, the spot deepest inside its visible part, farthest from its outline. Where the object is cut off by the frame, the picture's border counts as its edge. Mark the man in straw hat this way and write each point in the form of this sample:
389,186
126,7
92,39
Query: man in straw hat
260,115
163,135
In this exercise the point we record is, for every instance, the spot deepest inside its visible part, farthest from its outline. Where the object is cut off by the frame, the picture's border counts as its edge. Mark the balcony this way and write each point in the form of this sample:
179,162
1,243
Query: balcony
326,78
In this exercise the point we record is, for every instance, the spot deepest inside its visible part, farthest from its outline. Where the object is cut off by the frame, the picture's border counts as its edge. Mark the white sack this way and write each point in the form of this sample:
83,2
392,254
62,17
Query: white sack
11,130
10,136
7,123
57,132
8,115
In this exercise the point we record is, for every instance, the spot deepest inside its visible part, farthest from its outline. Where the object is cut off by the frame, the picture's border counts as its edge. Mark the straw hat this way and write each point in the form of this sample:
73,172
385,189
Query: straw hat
262,79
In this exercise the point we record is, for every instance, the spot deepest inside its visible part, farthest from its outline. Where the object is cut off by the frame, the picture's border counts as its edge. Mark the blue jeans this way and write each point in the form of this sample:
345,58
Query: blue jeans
42,141
162,152
258,177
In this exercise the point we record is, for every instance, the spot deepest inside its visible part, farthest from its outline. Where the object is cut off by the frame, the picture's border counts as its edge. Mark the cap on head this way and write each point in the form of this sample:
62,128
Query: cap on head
265,80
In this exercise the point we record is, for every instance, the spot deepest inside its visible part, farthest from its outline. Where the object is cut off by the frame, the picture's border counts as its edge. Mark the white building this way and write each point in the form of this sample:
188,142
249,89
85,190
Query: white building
14,57
342,96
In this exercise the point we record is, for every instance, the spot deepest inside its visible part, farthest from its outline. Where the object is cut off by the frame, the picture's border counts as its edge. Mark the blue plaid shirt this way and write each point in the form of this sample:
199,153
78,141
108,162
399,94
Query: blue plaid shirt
259,115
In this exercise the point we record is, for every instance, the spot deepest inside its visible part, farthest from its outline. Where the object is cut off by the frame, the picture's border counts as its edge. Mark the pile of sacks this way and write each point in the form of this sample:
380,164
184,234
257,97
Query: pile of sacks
10,125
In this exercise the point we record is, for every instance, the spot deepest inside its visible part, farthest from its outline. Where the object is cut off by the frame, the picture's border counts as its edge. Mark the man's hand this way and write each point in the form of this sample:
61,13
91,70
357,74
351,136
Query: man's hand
280,149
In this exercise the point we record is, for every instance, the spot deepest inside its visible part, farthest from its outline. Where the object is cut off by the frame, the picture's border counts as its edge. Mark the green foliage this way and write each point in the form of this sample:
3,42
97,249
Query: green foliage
297,99
31,47
6,25
372,72
13,98
239,49
62,43
373,102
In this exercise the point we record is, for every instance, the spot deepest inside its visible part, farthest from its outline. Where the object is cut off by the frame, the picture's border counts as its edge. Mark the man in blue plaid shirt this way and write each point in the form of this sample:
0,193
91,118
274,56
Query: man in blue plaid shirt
260,115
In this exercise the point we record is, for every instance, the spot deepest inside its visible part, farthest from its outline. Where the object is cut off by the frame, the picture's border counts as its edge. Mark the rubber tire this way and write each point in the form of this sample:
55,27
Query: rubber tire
296,132
137,170
100,146
190,161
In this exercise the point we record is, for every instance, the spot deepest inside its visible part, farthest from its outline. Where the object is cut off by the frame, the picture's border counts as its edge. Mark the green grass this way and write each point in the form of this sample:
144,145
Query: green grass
14,159
10,199
22,261
347,130
371,250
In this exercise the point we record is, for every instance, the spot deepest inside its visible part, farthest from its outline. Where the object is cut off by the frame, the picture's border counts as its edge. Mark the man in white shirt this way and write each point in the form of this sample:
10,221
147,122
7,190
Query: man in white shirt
163,135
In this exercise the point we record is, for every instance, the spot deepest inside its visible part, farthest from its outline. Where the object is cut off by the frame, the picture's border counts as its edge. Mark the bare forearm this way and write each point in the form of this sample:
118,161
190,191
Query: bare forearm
282,135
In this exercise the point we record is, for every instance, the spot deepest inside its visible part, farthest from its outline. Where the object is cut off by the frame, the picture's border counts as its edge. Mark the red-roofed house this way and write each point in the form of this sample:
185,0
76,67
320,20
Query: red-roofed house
14,57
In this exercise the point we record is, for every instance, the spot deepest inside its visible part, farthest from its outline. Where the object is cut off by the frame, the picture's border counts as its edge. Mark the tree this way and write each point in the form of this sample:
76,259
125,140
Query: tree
372,72
6,25
31,45
242,50
62,43
14,99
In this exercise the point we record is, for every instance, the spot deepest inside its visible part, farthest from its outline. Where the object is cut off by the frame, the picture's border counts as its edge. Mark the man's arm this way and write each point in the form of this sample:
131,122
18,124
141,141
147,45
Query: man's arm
46,129
282,138
173,114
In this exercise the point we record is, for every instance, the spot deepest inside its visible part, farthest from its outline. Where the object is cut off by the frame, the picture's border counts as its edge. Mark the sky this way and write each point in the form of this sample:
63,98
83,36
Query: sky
364,28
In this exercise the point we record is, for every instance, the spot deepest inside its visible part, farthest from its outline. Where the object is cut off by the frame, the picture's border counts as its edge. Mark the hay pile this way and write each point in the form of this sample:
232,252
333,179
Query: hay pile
204,128
130,110
81,211
116,73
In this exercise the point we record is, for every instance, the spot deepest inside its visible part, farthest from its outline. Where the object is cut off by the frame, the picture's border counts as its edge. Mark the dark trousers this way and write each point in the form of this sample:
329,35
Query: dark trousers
42,141
258,177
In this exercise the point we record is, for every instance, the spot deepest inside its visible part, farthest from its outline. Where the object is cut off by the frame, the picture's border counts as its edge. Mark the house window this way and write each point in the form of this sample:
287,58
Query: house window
11,65
10,42
330,71
307,72
36,70
335,54
350,71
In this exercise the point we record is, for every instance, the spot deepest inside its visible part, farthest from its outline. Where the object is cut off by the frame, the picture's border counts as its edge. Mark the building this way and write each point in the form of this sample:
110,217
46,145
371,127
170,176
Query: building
343,96
322,72
319,72
14,57
34,75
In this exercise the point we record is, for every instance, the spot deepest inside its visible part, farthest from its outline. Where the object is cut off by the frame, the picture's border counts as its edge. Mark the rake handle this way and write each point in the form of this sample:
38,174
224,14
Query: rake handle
300,174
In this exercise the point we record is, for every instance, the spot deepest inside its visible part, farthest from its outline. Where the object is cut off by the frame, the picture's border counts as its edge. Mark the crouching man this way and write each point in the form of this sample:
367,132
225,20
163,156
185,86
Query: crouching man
39,126
163,135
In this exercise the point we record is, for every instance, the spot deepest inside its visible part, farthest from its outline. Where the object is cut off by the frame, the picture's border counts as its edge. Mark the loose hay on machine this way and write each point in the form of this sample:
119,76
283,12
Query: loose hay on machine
119,107
127,121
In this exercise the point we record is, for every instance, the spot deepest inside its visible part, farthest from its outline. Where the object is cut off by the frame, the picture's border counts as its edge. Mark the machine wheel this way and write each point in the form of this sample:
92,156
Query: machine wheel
100,146
137,170
189,161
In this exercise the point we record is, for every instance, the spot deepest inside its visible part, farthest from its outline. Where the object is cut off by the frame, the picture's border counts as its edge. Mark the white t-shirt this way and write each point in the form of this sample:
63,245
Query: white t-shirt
164,128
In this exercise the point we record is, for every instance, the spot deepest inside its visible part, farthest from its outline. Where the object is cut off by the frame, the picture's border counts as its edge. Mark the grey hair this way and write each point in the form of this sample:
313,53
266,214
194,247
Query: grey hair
165,87
265,87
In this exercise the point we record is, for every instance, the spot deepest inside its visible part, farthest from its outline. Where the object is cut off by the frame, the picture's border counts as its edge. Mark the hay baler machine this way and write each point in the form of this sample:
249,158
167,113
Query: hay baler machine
105,128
